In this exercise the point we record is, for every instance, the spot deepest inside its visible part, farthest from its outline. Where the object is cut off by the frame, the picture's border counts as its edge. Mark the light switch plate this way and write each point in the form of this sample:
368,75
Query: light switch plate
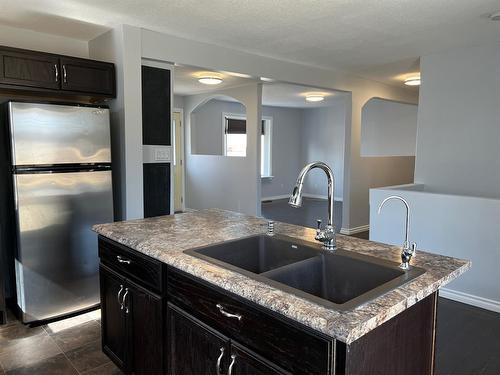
156,154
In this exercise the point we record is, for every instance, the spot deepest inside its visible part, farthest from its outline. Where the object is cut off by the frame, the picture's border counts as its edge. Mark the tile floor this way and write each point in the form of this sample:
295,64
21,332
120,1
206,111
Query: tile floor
67,347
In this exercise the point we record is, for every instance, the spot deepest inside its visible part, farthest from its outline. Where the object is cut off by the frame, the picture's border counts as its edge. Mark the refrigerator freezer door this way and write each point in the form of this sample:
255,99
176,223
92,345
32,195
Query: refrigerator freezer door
47,134
57,260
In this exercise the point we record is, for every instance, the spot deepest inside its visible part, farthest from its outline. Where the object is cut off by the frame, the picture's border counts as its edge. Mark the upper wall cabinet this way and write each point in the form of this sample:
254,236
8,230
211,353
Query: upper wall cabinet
87,76
29,69
38,72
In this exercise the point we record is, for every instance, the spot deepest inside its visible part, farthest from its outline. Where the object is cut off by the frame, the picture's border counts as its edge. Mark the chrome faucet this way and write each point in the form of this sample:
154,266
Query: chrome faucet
327,234
407,250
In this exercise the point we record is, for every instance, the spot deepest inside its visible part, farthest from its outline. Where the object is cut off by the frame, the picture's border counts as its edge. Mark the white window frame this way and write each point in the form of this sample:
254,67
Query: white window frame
268,130
235,116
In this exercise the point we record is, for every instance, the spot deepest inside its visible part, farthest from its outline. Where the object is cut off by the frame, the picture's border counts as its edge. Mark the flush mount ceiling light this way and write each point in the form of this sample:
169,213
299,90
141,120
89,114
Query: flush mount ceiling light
315,97
413,81
210,79
495,16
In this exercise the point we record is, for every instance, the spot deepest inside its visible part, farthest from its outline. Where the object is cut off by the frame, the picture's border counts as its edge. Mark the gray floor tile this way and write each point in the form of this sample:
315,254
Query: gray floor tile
107,369
87,357
79,335
26,351
13,333
57,365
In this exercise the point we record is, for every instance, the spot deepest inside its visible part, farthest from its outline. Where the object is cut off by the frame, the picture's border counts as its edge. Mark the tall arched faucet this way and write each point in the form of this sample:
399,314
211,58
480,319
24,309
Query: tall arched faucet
408,250
327,234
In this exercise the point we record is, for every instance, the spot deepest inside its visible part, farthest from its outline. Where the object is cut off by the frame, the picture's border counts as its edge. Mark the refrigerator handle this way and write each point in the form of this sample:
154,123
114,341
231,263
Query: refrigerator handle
56,68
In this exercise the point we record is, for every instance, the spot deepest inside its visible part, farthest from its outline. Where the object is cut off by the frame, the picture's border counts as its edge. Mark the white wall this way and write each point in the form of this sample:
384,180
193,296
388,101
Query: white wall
388,128
122,47
286,157
231,183
458,143
206,126
323,139
179,101
452,225
33,40
358,174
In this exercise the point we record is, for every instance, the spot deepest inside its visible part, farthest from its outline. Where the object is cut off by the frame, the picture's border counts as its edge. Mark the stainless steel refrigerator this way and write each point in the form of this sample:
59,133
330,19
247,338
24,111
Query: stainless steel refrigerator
61,175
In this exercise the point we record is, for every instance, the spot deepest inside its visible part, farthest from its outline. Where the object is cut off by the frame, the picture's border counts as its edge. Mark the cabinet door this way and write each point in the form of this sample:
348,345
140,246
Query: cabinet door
144,312
29,69
114,334
193,347
245,362
88,76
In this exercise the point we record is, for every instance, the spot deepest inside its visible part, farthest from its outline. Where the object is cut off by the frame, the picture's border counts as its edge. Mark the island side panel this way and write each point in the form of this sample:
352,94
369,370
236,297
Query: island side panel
402,345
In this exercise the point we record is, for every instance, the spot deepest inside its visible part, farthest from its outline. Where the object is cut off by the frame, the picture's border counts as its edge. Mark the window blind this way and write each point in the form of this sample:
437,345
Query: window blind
237,126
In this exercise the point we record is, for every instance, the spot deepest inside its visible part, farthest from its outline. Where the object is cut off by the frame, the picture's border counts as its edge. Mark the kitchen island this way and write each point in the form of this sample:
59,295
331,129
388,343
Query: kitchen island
160,303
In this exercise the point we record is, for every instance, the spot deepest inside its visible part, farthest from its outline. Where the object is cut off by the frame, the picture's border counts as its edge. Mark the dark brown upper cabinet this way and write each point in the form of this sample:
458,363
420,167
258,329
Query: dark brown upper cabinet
30,69
87,76
32,72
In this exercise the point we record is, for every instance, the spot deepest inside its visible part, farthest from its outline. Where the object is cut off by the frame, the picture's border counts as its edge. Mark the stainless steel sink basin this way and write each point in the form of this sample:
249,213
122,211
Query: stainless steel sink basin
341,280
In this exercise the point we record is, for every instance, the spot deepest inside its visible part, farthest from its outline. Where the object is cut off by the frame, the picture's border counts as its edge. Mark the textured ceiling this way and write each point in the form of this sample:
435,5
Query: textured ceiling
375,39
275,94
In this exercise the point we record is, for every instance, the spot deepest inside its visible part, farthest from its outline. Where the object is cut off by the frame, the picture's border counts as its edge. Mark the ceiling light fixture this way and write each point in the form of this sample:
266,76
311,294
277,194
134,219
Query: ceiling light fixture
315,97
412,81
210,80
495,16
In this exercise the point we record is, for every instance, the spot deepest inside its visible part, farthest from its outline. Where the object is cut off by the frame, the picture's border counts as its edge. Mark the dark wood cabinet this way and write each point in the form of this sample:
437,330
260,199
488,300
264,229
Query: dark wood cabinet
144,311
132,324
114,329
245,362
87,76
32,72
193,347
29,69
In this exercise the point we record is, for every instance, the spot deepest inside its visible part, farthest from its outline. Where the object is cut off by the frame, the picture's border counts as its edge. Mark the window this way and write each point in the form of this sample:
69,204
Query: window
235,140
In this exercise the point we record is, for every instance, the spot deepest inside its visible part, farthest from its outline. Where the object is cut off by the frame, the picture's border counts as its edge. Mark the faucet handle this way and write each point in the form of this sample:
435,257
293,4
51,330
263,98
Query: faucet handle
318,226
413,248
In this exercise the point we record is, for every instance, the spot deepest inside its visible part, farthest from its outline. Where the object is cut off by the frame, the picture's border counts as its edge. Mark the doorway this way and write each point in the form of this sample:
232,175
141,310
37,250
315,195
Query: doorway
177,124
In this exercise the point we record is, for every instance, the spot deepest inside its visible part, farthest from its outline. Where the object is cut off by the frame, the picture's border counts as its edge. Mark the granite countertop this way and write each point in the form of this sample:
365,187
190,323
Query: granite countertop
167,237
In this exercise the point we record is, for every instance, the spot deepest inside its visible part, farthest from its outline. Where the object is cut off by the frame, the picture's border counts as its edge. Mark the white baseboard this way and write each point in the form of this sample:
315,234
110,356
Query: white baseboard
470,299
305,195
355,230
275,197
319,196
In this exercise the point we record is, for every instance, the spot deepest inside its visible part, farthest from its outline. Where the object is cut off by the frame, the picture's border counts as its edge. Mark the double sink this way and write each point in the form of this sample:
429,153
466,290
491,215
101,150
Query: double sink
341,280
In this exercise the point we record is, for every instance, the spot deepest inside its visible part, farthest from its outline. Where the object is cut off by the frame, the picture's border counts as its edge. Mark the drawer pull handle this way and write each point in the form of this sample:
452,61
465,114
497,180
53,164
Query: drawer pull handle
219,360
121,259
228,314
124,301
65,75
231,365
118,296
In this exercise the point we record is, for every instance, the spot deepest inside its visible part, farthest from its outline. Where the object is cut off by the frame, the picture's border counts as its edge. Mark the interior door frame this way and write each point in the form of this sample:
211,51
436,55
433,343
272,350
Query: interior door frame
183,155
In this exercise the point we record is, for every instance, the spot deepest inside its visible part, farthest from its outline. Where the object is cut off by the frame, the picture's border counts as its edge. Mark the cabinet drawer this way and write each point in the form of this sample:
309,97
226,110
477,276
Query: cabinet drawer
142,269
288,344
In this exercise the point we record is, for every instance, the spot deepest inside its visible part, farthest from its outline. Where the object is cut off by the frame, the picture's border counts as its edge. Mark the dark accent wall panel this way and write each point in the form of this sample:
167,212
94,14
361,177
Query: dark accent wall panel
156,180
156,116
